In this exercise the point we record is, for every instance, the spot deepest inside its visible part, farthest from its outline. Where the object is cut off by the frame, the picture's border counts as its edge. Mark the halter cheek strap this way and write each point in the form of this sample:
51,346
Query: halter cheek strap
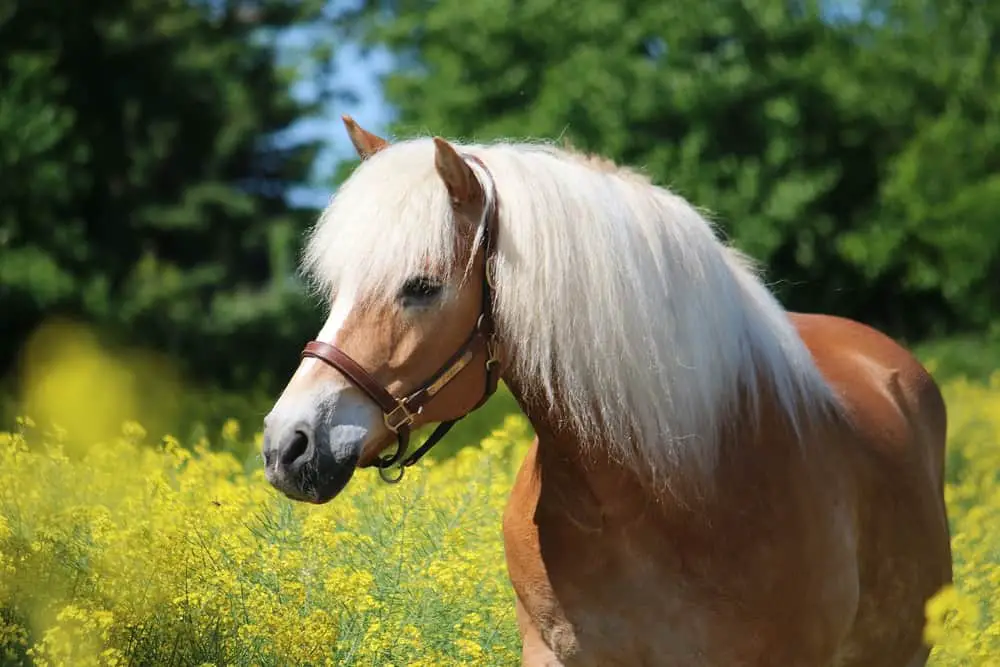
399,413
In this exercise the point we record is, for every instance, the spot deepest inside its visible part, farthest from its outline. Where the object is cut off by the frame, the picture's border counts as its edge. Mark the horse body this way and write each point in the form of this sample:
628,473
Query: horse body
823,558
715,481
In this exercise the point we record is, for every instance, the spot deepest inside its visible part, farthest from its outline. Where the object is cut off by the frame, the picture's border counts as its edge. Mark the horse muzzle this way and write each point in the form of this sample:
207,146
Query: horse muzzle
311,464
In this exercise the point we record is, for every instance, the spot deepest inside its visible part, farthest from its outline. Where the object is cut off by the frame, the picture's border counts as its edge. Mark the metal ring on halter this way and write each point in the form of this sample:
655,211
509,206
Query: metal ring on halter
386,462
391,480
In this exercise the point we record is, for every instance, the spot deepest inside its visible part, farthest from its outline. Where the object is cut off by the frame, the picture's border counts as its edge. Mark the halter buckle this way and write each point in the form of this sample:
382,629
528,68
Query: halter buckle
490,270
492,351
406,419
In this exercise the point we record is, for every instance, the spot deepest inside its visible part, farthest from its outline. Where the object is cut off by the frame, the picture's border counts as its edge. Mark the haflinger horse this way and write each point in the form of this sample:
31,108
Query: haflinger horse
714,480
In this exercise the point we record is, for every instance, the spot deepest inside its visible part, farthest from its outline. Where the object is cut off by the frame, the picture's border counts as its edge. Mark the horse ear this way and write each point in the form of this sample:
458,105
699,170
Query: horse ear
458,177
365,143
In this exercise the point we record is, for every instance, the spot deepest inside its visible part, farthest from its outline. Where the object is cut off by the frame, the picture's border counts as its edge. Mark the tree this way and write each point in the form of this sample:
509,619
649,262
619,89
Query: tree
144,177
852,152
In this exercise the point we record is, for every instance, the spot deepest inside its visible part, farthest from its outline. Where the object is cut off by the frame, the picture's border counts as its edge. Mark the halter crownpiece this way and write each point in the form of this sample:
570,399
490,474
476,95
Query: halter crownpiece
399,413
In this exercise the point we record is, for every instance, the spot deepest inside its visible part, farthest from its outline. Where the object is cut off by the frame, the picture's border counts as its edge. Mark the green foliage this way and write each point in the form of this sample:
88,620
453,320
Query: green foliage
144,181
855,156
976,358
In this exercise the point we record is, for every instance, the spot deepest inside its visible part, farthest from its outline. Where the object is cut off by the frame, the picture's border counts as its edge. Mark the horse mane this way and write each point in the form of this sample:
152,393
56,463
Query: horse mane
622,307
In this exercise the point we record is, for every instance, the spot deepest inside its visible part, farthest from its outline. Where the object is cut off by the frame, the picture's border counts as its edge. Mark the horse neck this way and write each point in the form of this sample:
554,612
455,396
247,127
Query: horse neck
584,483
589,485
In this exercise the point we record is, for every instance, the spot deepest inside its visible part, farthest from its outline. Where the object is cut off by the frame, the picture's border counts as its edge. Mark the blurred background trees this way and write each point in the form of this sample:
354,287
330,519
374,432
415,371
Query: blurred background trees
851,147
144,176
145,168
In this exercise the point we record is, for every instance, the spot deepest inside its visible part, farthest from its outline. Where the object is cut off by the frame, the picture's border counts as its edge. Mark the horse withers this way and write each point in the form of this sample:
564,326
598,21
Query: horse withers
714,481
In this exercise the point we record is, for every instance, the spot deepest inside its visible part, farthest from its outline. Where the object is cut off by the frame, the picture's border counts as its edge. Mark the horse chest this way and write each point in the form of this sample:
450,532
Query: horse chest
591,602
617,606
594,590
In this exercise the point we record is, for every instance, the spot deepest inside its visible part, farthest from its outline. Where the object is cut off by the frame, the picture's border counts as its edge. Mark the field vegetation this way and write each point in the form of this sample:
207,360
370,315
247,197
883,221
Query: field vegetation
118,547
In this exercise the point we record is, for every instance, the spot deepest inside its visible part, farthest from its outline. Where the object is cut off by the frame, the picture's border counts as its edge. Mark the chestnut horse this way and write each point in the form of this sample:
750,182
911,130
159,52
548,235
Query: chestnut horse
714,481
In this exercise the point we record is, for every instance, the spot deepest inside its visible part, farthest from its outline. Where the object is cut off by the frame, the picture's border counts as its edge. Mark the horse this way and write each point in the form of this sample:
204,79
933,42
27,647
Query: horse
713,481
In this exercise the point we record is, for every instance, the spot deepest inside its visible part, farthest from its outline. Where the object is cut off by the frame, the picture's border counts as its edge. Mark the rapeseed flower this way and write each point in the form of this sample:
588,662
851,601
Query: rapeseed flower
125,551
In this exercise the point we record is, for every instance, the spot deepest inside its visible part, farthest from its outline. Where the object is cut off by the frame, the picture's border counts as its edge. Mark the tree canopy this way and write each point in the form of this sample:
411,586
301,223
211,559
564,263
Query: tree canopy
145,174
850,147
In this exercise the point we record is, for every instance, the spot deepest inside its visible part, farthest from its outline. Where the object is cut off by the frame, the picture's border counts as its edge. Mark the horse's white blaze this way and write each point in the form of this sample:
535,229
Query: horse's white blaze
343,305
303,396
613,292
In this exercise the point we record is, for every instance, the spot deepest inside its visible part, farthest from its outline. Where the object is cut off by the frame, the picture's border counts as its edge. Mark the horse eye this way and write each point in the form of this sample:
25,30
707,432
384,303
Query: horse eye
420,289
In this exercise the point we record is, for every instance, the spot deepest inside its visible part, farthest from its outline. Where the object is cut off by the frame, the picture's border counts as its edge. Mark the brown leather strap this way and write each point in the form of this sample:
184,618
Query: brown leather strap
486,324
358,375
458,361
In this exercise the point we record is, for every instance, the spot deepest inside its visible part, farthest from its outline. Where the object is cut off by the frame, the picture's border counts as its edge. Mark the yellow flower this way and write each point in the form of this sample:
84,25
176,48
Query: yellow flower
132,551
231,430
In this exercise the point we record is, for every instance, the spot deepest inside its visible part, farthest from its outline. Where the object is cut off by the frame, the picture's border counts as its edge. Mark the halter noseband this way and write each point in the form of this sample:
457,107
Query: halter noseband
399,413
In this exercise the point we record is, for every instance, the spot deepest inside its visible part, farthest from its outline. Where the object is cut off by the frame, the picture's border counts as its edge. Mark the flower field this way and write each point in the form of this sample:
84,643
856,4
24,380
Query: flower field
164,555
136,551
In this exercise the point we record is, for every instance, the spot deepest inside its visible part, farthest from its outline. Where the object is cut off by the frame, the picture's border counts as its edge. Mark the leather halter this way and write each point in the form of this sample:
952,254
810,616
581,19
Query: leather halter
399,413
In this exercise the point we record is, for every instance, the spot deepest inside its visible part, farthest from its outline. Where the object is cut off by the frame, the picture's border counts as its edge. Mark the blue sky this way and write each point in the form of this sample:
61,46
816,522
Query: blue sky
353,72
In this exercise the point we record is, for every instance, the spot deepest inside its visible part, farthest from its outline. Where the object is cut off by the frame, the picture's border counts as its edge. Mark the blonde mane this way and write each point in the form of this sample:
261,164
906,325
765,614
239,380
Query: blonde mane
615,297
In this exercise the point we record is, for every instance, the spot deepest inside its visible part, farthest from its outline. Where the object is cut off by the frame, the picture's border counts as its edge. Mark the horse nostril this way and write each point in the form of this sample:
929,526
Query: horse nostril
295,449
